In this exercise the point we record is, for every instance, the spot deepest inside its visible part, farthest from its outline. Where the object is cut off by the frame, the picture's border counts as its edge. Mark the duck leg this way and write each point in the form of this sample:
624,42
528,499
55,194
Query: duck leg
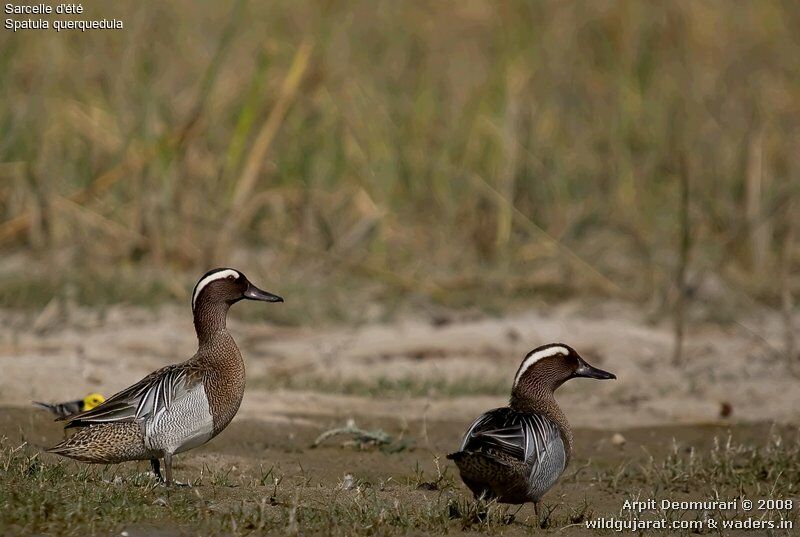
168,468
155,464
168,472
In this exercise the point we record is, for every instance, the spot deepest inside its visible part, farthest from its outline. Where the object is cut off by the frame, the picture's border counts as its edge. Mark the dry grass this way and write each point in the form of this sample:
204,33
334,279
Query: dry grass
43,495
447,152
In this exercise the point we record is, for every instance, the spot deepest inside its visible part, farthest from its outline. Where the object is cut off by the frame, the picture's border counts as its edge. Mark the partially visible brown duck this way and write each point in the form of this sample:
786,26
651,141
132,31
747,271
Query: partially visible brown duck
180,406
515,454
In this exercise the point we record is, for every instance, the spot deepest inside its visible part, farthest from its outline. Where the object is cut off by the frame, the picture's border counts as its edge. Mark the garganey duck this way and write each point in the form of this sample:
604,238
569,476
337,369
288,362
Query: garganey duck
515,454
68,408
180,406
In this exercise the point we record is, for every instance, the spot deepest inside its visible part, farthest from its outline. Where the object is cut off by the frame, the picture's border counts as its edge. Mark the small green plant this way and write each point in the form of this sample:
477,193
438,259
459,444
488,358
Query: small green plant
441,481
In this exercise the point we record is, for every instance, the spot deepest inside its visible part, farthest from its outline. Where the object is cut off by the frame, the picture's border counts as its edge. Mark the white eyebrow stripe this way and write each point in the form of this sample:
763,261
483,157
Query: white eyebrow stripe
222,274
534,357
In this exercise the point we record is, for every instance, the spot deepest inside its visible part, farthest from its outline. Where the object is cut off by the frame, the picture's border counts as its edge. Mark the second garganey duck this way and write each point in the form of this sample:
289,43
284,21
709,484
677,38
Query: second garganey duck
68,408
515,454
180,406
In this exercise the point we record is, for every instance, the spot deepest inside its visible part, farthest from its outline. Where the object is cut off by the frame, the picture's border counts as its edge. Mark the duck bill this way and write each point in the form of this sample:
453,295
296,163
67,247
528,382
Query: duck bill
254,293
591,372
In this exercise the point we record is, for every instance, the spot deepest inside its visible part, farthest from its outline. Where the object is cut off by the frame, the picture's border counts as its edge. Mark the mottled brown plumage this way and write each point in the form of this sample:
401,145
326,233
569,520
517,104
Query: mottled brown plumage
515,454
179,406
106,443
223,375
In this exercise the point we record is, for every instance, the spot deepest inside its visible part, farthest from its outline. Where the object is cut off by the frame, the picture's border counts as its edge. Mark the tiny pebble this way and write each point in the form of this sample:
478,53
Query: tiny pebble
618,439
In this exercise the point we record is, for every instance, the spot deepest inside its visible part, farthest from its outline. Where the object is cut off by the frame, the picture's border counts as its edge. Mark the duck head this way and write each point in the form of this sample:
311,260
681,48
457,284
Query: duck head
546,368
228,286
215,292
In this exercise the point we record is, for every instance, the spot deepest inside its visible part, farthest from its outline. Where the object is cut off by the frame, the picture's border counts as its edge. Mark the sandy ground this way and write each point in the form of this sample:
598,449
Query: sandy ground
51,357
55,357
224,470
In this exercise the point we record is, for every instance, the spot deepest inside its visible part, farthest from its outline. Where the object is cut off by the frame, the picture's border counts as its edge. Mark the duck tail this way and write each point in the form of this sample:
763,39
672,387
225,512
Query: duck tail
458,455
484,458
78,447
481,466
65,448
105,443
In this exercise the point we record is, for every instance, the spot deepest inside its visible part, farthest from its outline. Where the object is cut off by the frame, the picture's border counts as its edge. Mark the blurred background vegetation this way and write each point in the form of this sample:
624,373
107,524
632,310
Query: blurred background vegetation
360,157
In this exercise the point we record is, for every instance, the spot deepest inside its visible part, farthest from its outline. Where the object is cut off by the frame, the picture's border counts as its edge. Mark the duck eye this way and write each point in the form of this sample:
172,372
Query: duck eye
231,277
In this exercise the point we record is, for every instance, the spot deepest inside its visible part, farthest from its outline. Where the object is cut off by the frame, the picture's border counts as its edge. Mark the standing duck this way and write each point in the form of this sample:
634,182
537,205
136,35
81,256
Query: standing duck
515,454
180,406
68,408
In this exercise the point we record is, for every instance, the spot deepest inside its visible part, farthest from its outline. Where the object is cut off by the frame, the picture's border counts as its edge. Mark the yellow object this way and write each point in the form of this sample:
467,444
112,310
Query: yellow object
92,400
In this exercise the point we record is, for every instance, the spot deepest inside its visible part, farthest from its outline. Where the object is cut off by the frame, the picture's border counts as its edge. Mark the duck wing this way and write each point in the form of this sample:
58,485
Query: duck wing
520,436
510,455
144,399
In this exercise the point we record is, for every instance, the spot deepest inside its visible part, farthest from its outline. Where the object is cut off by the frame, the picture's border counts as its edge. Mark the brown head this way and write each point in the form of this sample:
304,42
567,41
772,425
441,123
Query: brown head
216,291
546,368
